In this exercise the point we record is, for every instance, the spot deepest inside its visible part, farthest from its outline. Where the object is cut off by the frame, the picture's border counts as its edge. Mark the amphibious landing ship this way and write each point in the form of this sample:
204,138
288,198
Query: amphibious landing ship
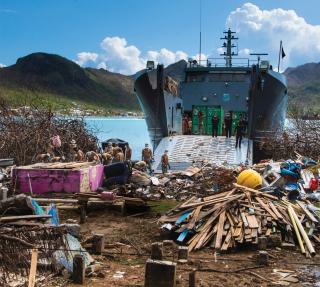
240,87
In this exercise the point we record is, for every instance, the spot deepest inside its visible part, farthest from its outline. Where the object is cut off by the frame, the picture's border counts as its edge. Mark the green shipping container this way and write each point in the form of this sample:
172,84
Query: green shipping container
208,112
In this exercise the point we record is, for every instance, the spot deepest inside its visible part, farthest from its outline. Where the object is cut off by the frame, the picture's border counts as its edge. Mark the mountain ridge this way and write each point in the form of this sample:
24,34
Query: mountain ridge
50,74
63,83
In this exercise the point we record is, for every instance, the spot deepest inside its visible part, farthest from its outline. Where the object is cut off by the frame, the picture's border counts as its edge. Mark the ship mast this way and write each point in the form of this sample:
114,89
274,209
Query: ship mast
228,45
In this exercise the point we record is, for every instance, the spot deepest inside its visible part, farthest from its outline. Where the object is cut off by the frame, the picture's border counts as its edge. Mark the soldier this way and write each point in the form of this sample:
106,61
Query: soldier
165,162
119,156
147,156
116,149
109,148
185,125
75,154
106,158
228,125
189,126
239,133
128,152
215,124
92,156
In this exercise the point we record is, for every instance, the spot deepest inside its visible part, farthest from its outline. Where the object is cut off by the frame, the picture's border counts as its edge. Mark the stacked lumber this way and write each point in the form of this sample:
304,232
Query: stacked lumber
228,219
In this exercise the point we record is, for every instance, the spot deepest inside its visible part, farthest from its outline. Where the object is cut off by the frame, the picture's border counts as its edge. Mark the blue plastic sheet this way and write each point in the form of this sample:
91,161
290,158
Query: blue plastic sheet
183,217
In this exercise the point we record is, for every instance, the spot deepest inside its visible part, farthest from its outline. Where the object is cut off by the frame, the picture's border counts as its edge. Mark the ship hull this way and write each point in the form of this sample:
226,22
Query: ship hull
266,106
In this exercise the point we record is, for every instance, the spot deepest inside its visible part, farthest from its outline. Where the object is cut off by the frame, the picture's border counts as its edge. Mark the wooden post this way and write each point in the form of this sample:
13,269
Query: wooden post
156,251
160,273
302,231
78,273
83,212
33,268
192,279
295,227
98,244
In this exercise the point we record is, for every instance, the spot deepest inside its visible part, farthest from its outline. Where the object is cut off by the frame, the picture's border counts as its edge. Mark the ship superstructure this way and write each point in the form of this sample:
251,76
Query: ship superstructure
198,90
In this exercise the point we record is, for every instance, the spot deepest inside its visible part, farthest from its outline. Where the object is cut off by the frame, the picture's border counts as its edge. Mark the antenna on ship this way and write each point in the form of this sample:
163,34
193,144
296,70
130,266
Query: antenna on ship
200,27
228,45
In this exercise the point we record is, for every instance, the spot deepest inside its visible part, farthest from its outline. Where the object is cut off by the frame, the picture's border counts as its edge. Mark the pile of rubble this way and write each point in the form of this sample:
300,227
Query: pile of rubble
32,241
180,185
243,215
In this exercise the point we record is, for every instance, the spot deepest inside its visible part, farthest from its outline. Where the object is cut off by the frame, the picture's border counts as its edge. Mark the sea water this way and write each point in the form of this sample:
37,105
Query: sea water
132,130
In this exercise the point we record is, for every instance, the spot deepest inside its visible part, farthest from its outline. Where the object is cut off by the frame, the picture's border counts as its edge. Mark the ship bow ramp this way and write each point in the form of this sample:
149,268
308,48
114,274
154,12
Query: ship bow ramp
185,151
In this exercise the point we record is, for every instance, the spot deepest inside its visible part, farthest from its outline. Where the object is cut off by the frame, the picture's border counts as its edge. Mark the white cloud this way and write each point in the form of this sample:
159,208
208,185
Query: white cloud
244,52
301,40
102,65
166,57
118,56
2,65
85,57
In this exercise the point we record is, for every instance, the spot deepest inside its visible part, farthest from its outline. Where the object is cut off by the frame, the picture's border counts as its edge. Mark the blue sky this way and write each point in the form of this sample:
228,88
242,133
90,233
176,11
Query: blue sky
121,35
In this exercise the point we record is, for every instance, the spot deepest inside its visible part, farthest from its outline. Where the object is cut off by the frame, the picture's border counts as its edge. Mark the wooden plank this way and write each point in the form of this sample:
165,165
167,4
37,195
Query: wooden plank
254,233
230,218
266,207
19,217
213,201
244,219
195,217
56,200
186,202
210,234
256,192
33,268
227,241
307,212
268,232
224,194
252,221
222,219
275,210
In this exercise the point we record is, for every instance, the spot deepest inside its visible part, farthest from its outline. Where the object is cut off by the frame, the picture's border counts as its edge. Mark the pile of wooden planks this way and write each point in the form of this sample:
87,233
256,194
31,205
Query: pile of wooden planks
242,215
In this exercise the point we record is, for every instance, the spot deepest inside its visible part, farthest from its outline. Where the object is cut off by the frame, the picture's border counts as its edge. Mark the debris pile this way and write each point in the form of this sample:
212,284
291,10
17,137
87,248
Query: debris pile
181,185
30,135
31,237
242,215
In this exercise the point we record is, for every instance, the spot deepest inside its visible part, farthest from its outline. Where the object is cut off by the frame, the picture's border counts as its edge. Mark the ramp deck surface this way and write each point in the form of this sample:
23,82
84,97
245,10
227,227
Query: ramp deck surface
187,149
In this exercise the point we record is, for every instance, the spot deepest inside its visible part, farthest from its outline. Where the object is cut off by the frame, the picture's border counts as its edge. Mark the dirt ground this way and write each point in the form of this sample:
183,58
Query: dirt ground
128,245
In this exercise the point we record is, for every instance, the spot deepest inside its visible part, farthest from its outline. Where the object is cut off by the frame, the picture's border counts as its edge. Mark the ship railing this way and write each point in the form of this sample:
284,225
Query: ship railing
221,62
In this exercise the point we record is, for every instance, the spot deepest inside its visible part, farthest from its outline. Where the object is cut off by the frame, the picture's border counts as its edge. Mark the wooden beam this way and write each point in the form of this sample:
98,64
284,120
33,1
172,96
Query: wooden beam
33,268
221,221
25,217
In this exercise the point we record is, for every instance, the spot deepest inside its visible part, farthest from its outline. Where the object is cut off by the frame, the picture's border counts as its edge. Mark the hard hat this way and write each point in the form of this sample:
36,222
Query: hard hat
249,178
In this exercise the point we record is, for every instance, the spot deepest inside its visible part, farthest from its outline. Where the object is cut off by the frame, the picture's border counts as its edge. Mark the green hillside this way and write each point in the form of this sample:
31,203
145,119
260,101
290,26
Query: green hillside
41,78
304,87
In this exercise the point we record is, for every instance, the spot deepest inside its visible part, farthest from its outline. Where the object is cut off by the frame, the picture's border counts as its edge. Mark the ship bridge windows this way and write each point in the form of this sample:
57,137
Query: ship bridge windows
196,78
226,78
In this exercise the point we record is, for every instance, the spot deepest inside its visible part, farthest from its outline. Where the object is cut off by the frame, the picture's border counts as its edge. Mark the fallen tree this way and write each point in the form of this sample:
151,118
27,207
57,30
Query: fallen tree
26,132
300,135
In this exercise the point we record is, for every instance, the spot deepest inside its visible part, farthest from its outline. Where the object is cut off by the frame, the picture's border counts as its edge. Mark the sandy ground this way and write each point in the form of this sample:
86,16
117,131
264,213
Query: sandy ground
124,265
